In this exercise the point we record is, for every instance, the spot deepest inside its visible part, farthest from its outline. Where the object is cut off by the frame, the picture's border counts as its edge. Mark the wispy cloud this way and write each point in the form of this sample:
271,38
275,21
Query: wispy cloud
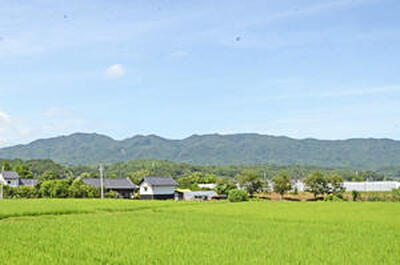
115,71
4,118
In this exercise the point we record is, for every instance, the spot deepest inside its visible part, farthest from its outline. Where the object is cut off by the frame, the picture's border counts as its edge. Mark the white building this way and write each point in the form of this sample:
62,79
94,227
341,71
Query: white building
158,188
201,195
12,179
371,185
210,186
359,186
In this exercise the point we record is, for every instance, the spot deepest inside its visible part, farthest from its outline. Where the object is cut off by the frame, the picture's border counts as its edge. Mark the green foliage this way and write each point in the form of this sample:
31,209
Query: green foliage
333,197
335,184
54,188
282,183
191,181
6,166
23,171
26,192
111,194
396,195
48,175
224,186
317,183
250,181
237,196
86,149
138,176
356,196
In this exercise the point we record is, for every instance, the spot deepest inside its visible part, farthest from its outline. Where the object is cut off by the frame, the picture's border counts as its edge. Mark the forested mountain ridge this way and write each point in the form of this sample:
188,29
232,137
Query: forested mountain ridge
81,148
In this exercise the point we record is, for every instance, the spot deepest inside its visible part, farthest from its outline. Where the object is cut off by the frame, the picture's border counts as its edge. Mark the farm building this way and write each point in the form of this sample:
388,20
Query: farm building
123,186
12,179
210,186
371,185
365,186
188,195
157,188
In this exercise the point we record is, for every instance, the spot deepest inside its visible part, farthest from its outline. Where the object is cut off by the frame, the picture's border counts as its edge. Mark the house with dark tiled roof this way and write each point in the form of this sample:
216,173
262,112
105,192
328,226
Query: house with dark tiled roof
157,188
123,186
12,179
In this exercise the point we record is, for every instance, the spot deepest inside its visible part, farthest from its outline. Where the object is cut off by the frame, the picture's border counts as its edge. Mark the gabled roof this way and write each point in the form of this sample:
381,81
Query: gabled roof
10,175
28,182
160,181
119,183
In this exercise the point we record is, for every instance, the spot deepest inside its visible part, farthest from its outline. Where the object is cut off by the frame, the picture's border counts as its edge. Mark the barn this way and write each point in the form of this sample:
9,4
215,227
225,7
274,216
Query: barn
123,186
157,188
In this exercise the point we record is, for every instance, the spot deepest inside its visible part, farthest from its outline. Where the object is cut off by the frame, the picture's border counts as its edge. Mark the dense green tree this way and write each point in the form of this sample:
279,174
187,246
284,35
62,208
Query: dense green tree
335,184
225,185
23,171
6,166
282,183
49,175
250,181
139,175
317,183
54,188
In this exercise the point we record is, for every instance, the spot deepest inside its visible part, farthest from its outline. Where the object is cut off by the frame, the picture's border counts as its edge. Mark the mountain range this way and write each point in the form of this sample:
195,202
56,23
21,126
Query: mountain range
212,149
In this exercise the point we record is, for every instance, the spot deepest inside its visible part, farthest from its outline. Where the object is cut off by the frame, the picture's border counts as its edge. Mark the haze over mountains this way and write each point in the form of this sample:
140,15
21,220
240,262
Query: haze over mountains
81,148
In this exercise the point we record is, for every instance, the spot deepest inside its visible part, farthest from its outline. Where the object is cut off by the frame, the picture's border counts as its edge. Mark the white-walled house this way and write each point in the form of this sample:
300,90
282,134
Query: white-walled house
12,179
157,188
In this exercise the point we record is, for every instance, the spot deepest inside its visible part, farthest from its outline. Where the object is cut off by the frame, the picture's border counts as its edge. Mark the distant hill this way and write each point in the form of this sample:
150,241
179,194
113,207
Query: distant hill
83,148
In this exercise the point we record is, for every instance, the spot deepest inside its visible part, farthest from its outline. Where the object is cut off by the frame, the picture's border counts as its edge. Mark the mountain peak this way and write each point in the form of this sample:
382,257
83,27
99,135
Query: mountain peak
245,148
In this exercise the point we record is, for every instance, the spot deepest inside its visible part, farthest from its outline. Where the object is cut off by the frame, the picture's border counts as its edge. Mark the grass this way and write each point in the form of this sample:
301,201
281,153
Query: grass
141,232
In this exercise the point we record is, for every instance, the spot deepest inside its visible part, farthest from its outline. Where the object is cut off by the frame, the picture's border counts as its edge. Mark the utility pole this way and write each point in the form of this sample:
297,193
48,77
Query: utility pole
101,181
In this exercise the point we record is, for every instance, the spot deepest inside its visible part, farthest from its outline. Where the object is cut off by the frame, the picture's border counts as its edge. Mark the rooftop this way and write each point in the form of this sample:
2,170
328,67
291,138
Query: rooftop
160,181
10,175
118,183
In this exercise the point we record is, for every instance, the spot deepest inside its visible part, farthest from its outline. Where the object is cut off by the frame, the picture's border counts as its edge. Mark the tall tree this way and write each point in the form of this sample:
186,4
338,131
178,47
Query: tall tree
282,183
250,181
335,183
317,183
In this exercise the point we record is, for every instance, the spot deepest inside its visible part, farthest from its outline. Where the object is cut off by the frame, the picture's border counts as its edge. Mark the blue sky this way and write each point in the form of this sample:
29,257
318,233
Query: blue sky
303,68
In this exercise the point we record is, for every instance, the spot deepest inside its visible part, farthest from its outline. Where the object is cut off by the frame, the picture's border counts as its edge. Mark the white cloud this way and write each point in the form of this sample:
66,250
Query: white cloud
4,118
114,71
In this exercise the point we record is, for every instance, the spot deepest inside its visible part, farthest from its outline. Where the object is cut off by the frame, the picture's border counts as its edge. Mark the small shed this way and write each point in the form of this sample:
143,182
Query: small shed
188,195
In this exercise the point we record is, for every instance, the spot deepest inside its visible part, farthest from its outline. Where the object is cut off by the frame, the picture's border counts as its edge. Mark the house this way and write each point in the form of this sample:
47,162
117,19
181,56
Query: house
188,195
210,186
12,179
157,188
124,187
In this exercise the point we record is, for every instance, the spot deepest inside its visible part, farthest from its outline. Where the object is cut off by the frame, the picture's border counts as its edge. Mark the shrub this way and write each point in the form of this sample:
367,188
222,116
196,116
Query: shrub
355,195
25,192
111,194
333,198
376,197
396,194
237,196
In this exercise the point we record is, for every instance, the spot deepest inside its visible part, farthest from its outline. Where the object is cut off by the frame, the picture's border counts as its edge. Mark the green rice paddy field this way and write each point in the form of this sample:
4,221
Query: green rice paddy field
153,232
